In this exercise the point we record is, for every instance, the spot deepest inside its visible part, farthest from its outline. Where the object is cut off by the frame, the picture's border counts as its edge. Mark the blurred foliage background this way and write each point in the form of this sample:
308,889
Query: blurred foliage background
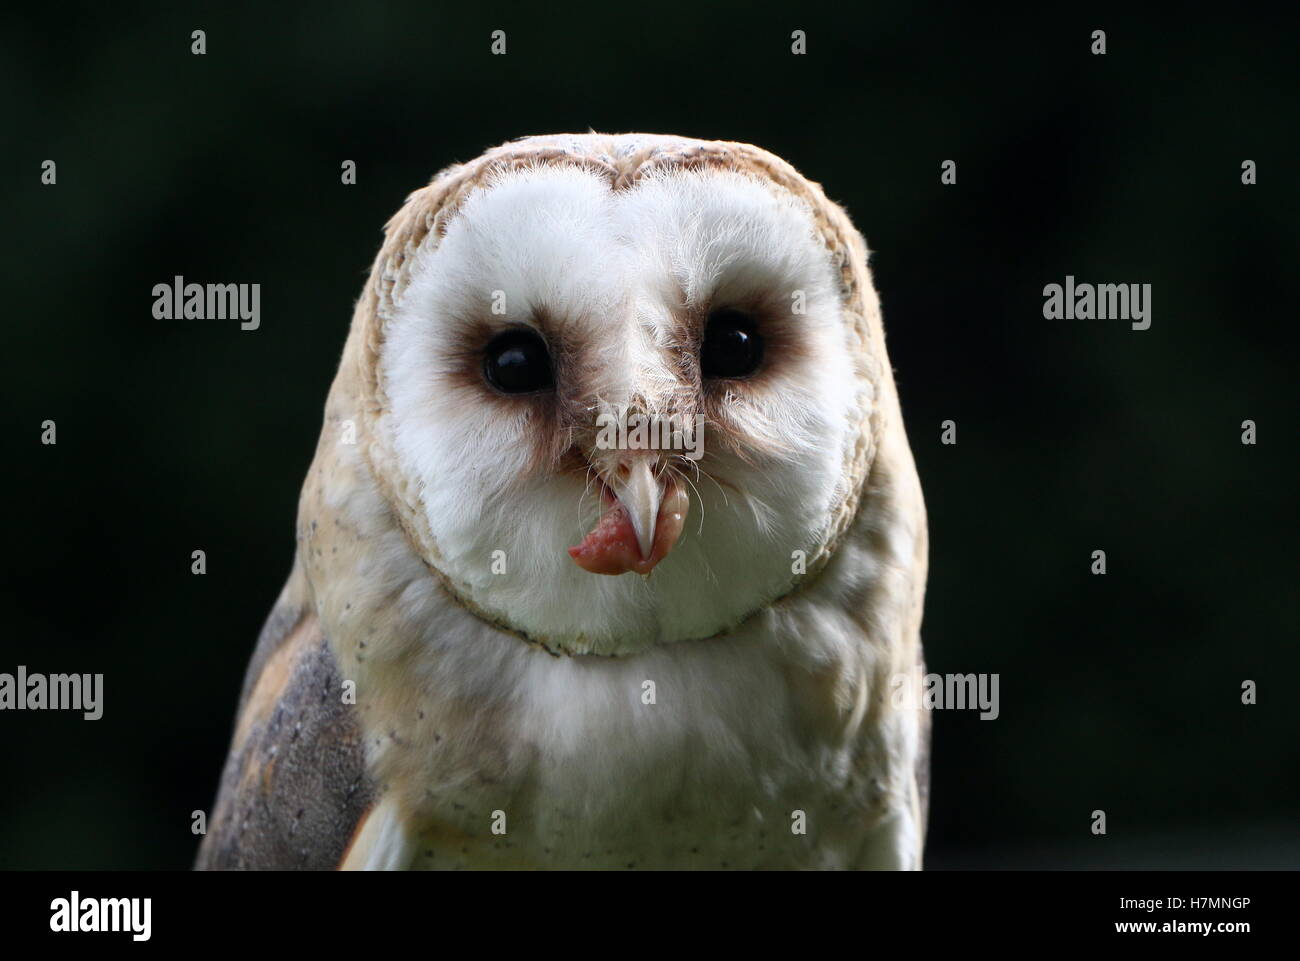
1119,692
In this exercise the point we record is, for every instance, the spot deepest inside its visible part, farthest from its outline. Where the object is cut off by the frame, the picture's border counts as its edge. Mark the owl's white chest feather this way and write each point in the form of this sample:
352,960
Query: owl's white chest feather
771,747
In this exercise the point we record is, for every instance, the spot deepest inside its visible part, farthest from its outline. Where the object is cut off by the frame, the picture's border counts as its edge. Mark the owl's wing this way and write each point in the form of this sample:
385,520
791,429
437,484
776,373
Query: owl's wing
295,786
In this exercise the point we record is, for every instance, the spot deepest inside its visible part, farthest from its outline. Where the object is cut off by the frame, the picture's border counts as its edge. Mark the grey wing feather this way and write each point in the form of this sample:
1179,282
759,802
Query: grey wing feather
295,786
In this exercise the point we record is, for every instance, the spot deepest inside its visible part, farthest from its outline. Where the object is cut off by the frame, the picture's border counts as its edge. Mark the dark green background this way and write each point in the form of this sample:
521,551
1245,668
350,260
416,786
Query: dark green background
1118,692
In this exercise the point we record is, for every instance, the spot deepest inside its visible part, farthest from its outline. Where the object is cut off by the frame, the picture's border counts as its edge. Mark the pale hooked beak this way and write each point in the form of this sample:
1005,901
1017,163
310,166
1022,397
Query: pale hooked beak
640,493
642,518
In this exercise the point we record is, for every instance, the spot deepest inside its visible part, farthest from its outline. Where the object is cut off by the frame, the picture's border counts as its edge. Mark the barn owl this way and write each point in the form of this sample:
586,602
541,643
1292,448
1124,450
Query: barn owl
504,643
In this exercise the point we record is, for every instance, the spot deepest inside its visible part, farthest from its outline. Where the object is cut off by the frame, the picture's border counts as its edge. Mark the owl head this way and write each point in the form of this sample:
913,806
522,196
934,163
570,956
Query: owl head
620,390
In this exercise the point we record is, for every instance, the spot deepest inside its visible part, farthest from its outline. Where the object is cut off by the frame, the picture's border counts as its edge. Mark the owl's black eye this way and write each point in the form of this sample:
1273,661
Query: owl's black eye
732,345
517,362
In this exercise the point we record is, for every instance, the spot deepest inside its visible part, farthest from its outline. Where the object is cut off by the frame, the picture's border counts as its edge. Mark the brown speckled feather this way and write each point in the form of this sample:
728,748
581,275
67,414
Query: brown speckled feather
294,787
